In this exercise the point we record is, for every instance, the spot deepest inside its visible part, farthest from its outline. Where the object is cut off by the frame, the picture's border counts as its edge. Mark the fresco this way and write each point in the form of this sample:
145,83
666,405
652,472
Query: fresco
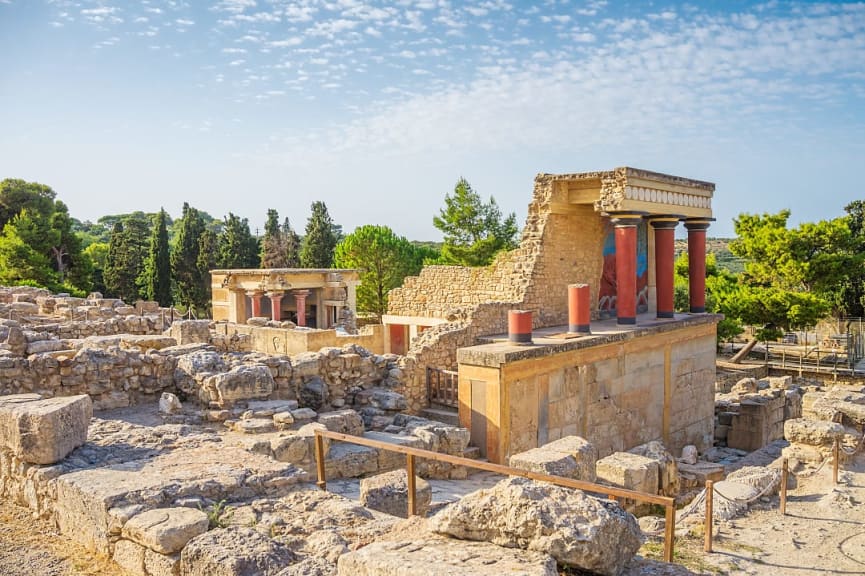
607,292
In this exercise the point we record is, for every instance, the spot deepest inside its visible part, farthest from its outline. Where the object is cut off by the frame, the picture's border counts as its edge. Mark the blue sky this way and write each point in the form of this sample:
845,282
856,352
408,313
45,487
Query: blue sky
377,108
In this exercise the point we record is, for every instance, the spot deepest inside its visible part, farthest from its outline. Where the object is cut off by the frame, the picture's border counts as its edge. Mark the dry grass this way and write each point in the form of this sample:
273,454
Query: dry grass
31,547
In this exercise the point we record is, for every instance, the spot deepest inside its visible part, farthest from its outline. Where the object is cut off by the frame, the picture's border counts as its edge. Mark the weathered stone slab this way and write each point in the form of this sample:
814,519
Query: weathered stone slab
234,551
584,452
576,529
166,530
388,493
43,431
668,470
350,460
545,462
629,471
240,383
443,557
812,432
343,421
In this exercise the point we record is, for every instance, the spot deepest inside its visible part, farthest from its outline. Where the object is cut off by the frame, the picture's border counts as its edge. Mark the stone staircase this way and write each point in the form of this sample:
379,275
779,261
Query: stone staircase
443,414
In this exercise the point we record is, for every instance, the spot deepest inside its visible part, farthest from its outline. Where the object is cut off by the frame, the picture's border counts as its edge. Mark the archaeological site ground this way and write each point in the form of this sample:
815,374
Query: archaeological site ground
279,438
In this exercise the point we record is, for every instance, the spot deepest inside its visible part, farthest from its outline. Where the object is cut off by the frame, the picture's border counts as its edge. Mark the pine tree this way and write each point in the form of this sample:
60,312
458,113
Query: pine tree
156,279
125,260
320,239
273,253
292,245
191,288
237,247
474,232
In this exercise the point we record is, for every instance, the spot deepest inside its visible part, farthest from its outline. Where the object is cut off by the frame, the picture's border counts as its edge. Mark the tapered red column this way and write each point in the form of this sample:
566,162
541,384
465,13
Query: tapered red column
626,266
665,249
256,302
300,299
697,263
275,305
579,314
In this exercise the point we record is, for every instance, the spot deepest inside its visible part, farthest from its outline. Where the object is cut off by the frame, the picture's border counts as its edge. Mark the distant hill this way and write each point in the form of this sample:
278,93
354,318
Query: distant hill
720,247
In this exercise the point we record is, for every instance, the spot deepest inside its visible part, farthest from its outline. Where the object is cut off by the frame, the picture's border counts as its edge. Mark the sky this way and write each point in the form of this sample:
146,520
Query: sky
378,108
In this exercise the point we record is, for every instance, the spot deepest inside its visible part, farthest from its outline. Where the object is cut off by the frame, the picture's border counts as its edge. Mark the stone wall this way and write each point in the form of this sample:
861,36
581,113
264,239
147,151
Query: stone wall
116,376
617,390
246,338
559,246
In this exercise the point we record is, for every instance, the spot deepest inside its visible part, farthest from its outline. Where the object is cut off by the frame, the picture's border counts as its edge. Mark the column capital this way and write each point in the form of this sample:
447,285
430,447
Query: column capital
664,221
275,294
698,223
255,293
626,218
300,293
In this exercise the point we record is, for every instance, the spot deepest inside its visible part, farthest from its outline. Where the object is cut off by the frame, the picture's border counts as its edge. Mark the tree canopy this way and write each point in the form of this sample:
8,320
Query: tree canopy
384,259
320,240
474,231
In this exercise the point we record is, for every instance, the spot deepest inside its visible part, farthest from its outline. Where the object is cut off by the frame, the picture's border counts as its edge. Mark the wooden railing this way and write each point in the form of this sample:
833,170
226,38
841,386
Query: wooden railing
411,453
442,387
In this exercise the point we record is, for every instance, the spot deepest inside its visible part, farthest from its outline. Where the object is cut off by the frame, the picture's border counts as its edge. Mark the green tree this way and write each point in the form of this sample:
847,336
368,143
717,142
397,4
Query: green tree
852,290
817,258
474,232
721,294
292,245
127,251
320,240
16,195
384,259
156,278
207,255
20,263
193,290
273,249
97,252
237,247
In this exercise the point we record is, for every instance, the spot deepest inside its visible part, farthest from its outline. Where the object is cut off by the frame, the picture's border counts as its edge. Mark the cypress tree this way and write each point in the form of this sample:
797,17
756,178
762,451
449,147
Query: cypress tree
320,239
237,247
273,254
156,279
184,259
292,245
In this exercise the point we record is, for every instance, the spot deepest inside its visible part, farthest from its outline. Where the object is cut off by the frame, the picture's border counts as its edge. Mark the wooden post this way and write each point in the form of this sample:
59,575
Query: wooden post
836,454
710,493
409,470
784,473
669,532
319,461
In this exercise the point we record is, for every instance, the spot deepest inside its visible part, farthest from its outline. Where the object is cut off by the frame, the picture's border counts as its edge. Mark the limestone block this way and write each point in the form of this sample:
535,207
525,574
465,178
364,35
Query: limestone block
240,383
130,557
292,448
43,431
443,557
314,393
387,400
283,420
584,452
304,414
310,566
158,564
629,471
307,431
545,462
146,341
268,408
326,544
43,346
574,528
689,454
350,460
344,421
801,453
234,551
388,460
668,470
190,331
169,404
388,493
812,432
254,426
166,530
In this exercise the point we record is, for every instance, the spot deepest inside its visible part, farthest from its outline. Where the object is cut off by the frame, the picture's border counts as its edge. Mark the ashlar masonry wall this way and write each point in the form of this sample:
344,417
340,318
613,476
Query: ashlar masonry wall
617,390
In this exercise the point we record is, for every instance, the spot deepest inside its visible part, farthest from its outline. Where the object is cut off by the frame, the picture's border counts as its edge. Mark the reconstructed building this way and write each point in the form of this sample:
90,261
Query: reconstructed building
305,296
641,373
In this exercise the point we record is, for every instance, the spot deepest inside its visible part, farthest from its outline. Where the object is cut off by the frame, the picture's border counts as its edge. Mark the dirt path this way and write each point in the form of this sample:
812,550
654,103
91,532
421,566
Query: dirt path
31,547
823,532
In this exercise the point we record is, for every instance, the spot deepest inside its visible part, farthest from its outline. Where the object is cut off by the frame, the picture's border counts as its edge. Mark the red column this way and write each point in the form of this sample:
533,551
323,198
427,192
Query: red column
520,326
665,249
256,303
626,267
275,303
697,263
579,315
300,299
